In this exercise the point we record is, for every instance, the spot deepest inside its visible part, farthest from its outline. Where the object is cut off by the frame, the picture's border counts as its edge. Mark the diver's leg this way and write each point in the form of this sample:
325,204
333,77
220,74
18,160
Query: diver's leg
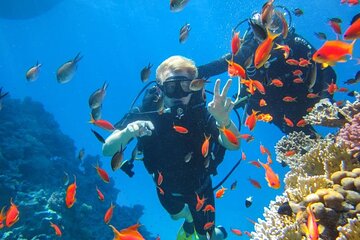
202,218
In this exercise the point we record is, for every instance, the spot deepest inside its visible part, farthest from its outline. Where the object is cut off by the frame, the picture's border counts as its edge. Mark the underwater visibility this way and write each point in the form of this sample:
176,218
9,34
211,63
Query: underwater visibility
180,119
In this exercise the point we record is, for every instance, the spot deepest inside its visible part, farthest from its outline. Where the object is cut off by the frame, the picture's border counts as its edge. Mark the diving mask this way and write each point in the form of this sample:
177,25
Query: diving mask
176,87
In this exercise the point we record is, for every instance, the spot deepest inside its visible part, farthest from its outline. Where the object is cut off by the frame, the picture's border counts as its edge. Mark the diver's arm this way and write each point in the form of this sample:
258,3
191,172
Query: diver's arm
214,68
120,138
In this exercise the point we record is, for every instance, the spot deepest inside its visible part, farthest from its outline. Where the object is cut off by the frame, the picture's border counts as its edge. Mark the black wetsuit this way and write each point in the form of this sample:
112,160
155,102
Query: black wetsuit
165,152
279,69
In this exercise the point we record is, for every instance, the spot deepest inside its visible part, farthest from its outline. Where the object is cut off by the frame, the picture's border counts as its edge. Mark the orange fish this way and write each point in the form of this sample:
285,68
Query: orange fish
298,80
335,26
270,176
311,229
230,136
199,202
288,121
180,129
102,123
235,70
208,208
262,103
255,163
250,121
56,228
243,156
289,99
262,53
245,136
102,173
353,31
264,117
160,178
290,153
304,62
71,194
285,48
247,234
343,89
301,123
292,62
297,72
309,109
2,217
259,86
205,146
235,43
237,232
100,195
264,150
12,215
130,233
220,193
269,160
255,183
277,83
332,88
109,213
161,191
332,52
312,95
208,225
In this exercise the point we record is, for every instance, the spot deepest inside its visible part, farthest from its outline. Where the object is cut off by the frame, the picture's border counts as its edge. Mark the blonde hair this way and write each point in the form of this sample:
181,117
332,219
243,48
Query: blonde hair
176,64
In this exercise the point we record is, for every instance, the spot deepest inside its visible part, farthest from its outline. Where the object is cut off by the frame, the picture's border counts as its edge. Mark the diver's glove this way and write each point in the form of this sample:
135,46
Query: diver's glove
121,138
139,128
221,106
127,167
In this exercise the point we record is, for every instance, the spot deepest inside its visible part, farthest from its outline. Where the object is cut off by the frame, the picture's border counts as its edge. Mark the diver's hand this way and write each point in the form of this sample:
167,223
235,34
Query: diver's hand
140,128
221,106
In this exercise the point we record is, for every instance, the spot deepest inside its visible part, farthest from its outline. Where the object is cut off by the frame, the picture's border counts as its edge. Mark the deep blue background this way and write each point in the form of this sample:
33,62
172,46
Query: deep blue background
117,39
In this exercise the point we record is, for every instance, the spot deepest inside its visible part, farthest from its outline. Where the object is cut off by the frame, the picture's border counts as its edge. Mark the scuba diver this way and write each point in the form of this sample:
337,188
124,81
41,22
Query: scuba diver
301,86
181,144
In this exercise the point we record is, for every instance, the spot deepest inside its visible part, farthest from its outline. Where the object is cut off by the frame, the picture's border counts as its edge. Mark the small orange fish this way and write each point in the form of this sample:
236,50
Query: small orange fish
102,173
100,195
12,215
262,53
269,160
312,95
250,121
180,129
243,156
220,193
199,202
289,99
109,213
258,85
297,72
290,153
161,191
235,70
160,178
70,197
264,150
2,217
309,109
247,234
335,26
332,88
237,232
235,43
205,146
208,208
255,163
301,123
270,176
262,103
245,136
255,183
129,233
353,31
292,62
277,83
288,121
264,117
298,80
304,62
285,48
230,136
311,229
102,123
208,225
343,89
56,229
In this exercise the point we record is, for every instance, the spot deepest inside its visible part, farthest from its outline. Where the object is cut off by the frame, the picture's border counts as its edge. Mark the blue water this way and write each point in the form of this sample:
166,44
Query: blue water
119,38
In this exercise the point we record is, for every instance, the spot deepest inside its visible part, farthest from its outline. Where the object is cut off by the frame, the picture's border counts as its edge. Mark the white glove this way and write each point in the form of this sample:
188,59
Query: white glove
221,106
139,128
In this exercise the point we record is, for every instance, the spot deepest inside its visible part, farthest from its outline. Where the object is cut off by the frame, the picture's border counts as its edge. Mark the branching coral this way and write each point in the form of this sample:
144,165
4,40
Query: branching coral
350,231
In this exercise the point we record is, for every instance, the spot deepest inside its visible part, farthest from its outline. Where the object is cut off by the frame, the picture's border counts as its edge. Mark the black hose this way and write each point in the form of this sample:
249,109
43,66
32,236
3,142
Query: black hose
227,175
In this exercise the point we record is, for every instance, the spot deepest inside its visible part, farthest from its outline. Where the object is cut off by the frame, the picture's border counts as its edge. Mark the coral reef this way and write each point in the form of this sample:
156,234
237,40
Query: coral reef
324,176
35,157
